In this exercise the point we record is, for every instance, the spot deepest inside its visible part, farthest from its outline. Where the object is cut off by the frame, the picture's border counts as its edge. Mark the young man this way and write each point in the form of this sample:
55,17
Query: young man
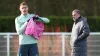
28,44
80,32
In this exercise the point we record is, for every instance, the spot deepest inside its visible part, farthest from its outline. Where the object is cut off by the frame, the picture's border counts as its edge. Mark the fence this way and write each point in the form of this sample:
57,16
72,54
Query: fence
51,44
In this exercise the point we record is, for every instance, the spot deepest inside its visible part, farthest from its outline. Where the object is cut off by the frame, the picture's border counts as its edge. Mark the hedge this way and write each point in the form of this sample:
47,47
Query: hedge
57,24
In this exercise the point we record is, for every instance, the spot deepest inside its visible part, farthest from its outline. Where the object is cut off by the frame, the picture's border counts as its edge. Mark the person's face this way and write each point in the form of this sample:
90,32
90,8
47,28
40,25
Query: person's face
24,9
75,15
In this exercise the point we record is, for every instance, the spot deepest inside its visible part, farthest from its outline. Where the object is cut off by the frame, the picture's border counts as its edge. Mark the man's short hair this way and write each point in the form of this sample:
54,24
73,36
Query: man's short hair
23,3
76,10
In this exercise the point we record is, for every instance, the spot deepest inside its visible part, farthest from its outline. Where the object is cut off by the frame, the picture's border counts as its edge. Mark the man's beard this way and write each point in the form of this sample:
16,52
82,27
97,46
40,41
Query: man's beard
74,19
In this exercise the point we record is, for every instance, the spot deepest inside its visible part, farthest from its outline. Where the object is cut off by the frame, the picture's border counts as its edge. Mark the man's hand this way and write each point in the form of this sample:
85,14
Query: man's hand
35,17
28,20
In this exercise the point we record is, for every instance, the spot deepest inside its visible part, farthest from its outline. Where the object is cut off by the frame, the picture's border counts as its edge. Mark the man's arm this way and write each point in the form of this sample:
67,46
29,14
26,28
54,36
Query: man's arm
20,29
84,32
45,20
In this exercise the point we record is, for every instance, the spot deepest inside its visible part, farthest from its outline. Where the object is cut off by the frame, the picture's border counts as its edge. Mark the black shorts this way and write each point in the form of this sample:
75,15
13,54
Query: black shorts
28,50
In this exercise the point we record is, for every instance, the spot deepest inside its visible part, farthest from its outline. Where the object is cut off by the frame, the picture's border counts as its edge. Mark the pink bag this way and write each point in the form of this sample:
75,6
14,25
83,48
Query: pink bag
34,29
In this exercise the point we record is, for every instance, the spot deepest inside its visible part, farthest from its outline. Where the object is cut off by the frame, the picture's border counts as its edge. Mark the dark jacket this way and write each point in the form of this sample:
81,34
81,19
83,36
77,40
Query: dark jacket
80,32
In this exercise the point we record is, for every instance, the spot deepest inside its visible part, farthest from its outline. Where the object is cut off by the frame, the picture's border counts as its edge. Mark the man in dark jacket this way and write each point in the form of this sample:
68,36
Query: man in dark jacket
80,32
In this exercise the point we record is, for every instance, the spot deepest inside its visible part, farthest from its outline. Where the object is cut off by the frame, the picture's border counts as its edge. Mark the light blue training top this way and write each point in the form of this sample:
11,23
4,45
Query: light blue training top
21,23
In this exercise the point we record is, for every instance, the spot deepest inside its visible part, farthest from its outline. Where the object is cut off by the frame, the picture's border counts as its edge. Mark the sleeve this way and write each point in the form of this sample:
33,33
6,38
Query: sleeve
85,31
45,20
20,29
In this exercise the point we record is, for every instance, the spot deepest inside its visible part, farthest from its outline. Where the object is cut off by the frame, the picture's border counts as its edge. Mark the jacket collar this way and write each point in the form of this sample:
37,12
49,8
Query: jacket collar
24,15
78,19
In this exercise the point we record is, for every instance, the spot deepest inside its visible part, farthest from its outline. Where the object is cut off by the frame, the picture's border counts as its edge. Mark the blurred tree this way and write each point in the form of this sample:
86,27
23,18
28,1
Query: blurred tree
51,7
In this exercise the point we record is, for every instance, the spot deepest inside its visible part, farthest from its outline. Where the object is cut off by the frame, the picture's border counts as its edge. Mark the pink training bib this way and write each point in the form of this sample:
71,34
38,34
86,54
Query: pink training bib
34,29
